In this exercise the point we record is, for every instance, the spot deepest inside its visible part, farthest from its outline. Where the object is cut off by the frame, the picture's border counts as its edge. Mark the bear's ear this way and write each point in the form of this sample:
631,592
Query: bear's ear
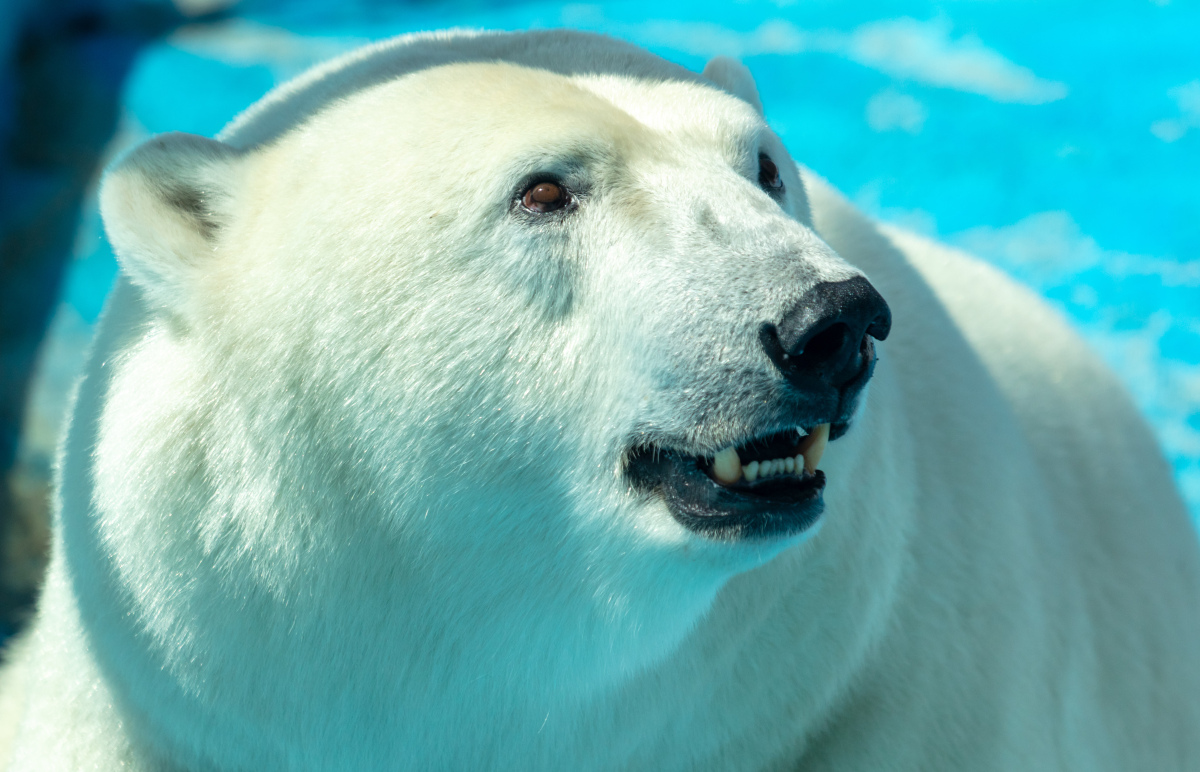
164,204
732,76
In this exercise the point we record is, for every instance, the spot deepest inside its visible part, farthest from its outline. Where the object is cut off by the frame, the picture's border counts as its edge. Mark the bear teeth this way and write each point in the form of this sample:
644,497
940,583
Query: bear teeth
813,447
728,469
727,466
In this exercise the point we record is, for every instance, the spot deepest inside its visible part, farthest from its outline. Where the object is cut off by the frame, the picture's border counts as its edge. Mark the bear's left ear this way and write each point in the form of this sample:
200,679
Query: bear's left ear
164,205
732,76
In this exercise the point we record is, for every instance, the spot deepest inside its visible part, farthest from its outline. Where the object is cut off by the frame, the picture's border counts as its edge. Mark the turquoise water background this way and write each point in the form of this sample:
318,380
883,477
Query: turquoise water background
1058,140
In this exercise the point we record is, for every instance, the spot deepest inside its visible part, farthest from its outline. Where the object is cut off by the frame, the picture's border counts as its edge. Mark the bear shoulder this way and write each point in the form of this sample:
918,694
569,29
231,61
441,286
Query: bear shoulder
1104,514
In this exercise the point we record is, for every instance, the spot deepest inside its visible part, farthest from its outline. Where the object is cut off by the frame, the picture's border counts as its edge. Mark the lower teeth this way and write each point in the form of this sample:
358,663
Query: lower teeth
760,470
728,469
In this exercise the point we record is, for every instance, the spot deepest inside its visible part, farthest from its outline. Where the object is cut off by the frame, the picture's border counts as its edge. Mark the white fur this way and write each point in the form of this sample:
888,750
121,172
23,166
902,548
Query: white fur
343,485
734,77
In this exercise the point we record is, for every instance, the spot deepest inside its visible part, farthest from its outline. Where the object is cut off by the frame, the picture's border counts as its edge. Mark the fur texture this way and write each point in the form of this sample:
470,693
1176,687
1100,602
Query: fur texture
343,488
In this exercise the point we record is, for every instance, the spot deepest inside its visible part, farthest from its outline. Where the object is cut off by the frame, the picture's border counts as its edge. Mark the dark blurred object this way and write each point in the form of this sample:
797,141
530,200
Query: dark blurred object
64,63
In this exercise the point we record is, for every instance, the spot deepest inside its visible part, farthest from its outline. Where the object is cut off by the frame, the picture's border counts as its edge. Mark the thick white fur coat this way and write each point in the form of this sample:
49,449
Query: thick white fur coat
343,485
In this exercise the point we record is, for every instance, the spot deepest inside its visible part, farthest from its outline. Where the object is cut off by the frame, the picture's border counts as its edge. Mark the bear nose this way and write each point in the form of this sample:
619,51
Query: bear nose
824,340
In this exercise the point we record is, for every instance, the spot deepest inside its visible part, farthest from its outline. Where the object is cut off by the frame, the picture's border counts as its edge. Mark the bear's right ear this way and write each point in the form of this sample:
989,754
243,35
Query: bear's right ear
734,77
164,205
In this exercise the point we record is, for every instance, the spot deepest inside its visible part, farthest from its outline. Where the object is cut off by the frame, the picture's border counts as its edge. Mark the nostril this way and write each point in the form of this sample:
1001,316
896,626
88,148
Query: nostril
823,346
824,340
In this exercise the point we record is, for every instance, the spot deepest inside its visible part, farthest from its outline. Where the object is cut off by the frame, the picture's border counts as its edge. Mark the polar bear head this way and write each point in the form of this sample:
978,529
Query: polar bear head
498,369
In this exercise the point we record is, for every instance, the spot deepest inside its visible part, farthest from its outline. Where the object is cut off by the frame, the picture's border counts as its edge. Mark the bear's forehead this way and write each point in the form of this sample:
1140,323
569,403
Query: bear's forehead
499,103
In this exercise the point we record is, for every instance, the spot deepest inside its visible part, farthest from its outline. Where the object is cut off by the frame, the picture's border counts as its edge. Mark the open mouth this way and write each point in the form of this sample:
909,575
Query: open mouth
768,486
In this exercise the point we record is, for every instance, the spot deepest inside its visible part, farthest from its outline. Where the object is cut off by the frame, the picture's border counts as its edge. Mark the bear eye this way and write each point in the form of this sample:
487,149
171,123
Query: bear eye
545,197
768,174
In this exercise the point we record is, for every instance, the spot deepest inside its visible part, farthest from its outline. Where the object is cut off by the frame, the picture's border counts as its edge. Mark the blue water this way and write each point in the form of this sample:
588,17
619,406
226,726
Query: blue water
1060,141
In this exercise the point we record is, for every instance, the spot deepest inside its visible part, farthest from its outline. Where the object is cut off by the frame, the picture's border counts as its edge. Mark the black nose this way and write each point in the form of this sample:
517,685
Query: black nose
825,339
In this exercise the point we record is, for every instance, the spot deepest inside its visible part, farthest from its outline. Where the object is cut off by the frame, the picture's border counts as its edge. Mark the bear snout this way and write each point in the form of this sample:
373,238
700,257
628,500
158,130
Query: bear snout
824,342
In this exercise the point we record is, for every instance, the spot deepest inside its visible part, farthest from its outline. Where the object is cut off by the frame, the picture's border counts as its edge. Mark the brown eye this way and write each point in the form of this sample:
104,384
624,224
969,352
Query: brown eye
545,197
768,174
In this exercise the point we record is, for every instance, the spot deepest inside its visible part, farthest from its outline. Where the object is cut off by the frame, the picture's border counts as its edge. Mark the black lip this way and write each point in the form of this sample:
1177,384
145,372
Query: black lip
763,510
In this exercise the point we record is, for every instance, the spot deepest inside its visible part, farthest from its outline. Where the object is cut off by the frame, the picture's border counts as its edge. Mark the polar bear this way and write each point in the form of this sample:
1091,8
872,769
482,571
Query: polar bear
514,401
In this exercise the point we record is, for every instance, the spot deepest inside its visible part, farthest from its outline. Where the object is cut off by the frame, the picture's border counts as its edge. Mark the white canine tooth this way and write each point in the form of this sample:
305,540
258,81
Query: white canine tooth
816,447
750,471
799,462
789,464
727,466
